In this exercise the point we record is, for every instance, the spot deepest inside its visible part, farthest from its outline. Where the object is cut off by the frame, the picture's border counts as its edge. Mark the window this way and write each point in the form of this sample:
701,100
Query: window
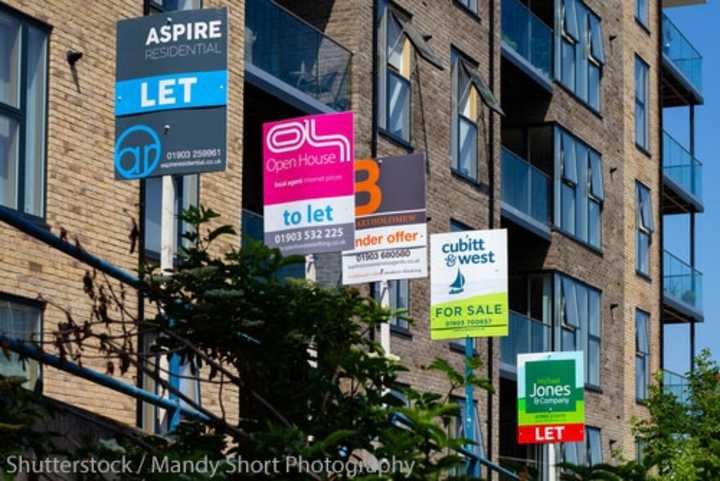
581,51
580,323
22,320
186,194
580,189
23,96
642,354
464,121
645,228
640,447
397,41
399,295
588,453
159,6
641,11
394,79
470,5
641,103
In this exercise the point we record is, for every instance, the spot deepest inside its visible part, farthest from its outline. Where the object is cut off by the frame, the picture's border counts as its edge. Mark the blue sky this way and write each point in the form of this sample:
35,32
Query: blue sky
699,25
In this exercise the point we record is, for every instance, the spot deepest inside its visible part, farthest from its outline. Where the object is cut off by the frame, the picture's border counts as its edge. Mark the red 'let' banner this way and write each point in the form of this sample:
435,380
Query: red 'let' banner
553,433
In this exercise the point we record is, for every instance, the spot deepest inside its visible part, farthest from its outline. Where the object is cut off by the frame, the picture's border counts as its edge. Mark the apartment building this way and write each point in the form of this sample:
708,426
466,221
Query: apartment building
543,117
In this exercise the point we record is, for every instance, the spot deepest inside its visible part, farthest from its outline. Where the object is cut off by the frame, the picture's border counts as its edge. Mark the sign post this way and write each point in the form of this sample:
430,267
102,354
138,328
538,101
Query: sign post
469,298
171,110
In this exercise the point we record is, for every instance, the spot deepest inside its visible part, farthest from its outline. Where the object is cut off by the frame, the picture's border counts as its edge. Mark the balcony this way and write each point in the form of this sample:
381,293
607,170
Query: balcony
289,58
682,68
527,42
682,291
675,384
525,335
682,175
525,194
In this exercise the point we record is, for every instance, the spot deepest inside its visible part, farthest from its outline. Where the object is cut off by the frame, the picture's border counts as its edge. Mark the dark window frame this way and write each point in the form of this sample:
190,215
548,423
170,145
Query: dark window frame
34,304
457,61
642,356
569,179
583,335
642,144
643,228
638,13
19,114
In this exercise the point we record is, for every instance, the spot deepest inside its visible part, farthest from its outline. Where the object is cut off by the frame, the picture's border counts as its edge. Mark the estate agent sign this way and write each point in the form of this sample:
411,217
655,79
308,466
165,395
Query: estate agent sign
551,406
171,94
469,296
309,184
390,224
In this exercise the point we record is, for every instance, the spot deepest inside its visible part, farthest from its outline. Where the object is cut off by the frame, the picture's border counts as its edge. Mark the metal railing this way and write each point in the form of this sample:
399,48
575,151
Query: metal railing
681,53
675,384
525,187
293,51
681,166
681,281
528,35
524,335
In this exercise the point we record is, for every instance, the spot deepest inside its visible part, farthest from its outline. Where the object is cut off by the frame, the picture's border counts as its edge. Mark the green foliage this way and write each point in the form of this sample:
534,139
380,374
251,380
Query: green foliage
682,436
21,411
312,380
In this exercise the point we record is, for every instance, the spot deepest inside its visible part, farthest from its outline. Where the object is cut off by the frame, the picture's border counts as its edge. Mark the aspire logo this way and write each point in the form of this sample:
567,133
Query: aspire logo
137,152
294,135
467,251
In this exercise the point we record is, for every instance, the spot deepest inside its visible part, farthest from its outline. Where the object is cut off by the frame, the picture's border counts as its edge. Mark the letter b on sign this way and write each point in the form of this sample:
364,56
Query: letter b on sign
369,186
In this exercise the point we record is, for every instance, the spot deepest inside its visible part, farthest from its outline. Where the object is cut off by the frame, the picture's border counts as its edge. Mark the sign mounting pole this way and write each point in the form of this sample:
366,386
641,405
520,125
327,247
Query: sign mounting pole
167,263
384,287
473,468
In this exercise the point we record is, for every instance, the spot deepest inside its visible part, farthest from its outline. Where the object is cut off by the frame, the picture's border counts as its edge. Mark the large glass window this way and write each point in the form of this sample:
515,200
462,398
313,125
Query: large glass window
580,323
20,320
23,98
642,354
581,190
399,296
588,453
641,103
580,51
464,133
645,226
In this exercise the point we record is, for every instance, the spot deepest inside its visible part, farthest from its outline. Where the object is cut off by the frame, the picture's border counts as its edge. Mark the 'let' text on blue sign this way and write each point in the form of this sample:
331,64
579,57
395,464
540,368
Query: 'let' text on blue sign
167,92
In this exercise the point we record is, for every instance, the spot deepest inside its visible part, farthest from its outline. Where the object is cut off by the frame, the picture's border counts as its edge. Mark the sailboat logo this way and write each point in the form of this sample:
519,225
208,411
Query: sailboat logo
458,285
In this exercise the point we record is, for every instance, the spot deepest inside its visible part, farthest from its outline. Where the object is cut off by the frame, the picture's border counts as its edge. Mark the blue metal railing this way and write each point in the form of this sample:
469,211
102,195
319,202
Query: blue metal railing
293,51
529,36
681,166
524,335
681,281
525,187
675,384
681,53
